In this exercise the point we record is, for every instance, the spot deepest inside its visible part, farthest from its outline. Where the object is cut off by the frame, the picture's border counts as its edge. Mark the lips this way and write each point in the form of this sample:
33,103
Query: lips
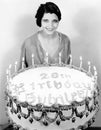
49,29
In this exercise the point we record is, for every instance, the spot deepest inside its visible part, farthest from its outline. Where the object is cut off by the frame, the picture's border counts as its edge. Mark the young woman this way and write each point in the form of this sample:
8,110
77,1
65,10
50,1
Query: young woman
47,40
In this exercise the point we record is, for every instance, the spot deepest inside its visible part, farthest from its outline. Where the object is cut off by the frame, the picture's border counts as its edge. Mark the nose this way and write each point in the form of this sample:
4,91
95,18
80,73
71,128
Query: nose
50,24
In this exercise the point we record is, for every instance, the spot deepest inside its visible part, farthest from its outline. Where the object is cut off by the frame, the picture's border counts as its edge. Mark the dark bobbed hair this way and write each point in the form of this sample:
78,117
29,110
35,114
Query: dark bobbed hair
48,7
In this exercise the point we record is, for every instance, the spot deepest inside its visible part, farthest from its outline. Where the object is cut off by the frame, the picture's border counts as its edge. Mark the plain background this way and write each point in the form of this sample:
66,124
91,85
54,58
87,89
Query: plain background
81,21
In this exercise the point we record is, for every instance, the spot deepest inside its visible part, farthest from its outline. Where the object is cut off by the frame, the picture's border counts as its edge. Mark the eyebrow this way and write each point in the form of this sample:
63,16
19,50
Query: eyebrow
47,19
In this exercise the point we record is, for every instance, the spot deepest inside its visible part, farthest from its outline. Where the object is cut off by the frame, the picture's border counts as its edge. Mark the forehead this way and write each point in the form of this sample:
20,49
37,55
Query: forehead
50,16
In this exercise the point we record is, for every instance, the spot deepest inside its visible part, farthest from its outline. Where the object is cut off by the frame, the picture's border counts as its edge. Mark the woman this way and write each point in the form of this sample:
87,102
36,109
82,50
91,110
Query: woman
47,40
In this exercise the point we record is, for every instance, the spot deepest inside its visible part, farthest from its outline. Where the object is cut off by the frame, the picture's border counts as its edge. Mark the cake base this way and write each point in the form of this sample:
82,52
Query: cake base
74,117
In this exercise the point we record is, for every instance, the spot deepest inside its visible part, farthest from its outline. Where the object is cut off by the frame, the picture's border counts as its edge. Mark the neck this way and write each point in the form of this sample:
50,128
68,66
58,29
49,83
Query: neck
48,36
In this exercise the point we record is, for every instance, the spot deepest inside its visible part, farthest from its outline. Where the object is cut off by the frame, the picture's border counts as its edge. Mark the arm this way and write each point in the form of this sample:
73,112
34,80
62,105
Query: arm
23,55
68,50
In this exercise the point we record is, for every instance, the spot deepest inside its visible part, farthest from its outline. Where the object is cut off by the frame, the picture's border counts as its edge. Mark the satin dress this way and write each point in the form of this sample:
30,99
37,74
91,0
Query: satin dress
32,45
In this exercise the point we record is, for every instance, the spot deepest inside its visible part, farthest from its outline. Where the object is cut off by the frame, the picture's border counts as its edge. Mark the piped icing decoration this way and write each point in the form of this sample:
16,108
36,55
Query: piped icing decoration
18,96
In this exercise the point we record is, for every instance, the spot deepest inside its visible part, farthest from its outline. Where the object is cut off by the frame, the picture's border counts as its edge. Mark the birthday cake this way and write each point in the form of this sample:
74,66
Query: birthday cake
52,97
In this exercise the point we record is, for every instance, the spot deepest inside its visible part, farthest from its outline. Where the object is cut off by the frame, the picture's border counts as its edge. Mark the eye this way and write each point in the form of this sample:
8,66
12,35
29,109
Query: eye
55,21
45,20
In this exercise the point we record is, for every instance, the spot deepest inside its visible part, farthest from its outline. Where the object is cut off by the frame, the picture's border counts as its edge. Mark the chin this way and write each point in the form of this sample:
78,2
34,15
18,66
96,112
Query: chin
50,32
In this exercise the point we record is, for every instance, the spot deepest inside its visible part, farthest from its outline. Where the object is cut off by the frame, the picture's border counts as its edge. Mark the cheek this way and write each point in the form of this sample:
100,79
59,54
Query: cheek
43,24
56,25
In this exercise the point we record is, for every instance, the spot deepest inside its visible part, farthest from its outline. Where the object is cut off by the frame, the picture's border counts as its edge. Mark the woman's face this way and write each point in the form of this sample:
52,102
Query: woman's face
49,23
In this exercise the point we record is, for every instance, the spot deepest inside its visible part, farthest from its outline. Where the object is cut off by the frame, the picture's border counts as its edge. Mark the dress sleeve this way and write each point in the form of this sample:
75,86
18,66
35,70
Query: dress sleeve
68,50
23,55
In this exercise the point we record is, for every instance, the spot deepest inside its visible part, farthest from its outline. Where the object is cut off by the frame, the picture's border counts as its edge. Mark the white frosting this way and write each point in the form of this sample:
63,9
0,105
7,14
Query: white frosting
49,85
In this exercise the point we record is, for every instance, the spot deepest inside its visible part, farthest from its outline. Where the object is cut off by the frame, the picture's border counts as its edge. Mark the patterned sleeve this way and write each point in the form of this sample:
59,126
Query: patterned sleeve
68,50
23,55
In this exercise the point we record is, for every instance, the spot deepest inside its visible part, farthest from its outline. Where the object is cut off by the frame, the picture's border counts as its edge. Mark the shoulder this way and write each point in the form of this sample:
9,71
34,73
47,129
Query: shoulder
64,37
32,39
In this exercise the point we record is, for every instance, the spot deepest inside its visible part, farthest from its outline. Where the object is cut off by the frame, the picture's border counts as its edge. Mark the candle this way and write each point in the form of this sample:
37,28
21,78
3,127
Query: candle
23,59
33,60
80,62
60,58
70,59
7,74
89,66
23,62
47,57
10,70
95,71
16,66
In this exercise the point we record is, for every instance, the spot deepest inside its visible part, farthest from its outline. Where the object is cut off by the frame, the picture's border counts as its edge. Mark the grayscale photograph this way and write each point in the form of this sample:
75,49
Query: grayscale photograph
50,65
